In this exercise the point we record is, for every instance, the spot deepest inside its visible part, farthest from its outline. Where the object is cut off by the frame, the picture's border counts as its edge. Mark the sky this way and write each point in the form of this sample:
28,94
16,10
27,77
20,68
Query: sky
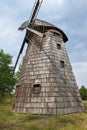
68,15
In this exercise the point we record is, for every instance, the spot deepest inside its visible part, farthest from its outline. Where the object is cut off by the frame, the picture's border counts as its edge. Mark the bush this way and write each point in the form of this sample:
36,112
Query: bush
83,92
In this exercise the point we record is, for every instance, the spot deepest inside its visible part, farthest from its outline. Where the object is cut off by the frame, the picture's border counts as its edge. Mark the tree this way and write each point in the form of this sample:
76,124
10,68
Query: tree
83,92
19,69
7,79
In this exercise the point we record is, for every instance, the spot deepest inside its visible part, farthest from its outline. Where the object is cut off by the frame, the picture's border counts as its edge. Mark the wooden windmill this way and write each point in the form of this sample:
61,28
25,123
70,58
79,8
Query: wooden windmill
46,84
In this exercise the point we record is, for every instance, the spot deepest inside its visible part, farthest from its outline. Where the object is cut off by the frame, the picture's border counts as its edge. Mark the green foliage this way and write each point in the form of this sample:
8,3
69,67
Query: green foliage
33,127
30,117
19,69
83,92
7,79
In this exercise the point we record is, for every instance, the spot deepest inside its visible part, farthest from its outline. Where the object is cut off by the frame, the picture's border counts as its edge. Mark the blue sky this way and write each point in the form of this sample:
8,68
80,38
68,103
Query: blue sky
69,15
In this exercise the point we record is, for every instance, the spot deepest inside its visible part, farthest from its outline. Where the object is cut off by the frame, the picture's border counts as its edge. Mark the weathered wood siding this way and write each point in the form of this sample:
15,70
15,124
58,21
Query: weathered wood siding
59,92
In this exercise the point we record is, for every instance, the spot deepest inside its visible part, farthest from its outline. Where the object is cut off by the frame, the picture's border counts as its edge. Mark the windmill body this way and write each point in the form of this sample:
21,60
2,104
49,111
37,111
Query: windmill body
46,84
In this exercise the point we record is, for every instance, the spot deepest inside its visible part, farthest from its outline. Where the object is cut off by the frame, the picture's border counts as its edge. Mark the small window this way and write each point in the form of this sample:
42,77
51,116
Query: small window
58,46
62,64
17,90
36,88
56,34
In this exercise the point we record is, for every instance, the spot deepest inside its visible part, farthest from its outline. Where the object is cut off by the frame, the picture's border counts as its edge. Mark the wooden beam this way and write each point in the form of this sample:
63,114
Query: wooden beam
34,31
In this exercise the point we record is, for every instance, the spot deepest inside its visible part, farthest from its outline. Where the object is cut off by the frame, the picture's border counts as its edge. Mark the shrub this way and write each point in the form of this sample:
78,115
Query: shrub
83,92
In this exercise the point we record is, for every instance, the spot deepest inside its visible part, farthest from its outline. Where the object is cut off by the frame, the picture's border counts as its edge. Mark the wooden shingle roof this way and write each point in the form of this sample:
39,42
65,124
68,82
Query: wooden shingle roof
47,25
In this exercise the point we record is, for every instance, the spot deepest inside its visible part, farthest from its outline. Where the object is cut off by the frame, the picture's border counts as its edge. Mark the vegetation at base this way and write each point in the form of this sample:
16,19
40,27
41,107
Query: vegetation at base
7,79
13,121
83,92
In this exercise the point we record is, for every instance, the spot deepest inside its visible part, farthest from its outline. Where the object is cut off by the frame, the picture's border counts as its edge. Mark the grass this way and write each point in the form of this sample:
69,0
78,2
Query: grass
12,121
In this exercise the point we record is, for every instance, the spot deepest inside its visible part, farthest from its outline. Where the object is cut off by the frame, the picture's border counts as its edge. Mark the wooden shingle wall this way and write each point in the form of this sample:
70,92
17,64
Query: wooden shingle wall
59,92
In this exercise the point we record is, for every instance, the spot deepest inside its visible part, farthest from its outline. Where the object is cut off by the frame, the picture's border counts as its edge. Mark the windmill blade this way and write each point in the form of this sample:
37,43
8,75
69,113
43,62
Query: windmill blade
28,24
33,15
35,10
21,49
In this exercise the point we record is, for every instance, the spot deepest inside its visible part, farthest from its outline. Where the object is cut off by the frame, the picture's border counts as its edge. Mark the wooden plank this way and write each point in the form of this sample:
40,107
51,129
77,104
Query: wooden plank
34,31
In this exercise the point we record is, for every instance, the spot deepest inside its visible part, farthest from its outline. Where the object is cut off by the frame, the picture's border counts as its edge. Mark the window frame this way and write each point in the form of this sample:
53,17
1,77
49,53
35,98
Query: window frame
59,46
36,88
62,64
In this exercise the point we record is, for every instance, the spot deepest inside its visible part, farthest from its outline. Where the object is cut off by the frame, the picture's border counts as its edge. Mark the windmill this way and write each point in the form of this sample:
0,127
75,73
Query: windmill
46,84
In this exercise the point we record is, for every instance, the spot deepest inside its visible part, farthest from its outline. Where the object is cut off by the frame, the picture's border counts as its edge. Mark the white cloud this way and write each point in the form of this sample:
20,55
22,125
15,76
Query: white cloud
80,72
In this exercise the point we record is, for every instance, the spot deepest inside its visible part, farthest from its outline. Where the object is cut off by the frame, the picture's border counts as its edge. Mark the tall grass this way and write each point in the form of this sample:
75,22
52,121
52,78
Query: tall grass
12,121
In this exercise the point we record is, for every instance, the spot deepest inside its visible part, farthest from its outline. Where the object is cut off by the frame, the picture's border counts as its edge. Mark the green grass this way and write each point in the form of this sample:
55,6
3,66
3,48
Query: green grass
12,121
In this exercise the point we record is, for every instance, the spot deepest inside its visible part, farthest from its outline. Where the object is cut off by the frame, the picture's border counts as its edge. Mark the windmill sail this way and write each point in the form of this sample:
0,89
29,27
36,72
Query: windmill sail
33,15
28,23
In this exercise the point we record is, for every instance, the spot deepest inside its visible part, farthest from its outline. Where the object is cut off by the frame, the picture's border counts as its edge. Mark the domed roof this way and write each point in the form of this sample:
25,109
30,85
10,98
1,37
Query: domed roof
49,25
46,24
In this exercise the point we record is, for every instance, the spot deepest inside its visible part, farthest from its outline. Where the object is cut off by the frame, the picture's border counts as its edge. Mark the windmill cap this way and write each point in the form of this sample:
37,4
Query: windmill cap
49,25
39,22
